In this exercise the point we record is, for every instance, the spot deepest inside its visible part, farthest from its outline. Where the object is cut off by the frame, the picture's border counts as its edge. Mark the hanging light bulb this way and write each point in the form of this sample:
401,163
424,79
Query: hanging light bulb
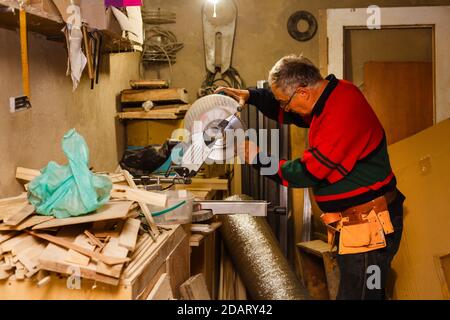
214,3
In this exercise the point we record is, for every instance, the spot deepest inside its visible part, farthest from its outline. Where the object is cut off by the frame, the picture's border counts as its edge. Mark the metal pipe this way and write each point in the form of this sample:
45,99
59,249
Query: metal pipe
258,258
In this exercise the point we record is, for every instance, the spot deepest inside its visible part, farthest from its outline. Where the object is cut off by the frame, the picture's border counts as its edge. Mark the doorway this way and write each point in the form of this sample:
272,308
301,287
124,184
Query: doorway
393,67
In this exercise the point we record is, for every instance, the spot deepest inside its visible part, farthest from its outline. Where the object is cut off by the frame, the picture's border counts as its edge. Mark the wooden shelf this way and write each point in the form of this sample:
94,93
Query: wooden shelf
113,43
38,21
50,25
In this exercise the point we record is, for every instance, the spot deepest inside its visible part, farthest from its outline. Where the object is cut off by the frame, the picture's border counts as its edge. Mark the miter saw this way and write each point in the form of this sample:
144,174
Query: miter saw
211,123
208,137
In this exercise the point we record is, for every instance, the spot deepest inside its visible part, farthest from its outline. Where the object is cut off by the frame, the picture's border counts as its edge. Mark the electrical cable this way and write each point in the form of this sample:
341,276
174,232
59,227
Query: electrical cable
230,78
160,45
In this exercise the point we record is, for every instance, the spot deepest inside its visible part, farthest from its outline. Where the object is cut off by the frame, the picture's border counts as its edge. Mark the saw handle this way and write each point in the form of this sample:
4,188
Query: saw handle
239,95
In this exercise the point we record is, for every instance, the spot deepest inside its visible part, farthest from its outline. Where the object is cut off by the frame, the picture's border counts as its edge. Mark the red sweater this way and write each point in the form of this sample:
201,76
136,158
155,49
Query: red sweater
347,162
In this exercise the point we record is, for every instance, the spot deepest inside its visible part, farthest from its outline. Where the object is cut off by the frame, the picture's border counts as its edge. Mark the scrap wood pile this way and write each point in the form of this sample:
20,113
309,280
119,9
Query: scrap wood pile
153,99
106,246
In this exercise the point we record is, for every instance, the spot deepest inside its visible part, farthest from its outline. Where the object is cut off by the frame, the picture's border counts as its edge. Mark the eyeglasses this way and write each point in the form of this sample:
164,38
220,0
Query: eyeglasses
284,105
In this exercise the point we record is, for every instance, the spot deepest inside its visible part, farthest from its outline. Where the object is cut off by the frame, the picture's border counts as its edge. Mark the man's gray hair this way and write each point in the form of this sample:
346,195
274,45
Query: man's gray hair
291,72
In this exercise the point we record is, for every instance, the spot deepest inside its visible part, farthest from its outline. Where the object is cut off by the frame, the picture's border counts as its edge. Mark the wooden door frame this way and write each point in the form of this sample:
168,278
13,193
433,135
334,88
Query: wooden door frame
332,50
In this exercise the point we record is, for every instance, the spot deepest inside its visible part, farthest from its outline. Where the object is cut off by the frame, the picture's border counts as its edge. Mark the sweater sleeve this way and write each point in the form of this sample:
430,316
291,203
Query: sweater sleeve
291,173
264,101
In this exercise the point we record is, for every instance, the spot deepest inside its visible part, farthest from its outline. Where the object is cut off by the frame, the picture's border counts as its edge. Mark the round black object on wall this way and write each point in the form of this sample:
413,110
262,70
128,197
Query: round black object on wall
292,25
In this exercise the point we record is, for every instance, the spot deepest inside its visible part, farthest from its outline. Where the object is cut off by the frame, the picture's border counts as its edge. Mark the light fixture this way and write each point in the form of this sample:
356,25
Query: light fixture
214,3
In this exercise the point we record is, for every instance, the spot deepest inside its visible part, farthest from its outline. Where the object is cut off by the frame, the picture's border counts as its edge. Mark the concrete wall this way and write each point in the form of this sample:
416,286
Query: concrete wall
261,36
32,138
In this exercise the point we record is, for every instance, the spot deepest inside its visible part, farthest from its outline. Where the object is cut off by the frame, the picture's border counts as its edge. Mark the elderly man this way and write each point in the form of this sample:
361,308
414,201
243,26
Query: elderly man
346,164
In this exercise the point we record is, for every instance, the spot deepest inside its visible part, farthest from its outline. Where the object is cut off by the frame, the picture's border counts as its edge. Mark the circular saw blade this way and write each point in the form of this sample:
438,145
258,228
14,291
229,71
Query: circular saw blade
205,113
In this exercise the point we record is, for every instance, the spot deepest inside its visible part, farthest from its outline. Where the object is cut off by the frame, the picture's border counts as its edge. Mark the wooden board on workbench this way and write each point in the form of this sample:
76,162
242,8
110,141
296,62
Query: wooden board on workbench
129,234
21,215
110,211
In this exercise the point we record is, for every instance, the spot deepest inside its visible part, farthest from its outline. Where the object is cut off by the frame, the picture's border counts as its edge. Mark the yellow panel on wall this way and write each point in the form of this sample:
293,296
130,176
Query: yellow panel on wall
421,164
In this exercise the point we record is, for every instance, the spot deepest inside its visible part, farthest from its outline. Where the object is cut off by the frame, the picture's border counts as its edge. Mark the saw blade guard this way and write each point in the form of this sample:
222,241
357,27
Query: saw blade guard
205,120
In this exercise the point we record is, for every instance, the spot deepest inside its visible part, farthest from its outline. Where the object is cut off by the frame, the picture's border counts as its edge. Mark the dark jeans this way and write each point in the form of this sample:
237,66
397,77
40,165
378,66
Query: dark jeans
357,281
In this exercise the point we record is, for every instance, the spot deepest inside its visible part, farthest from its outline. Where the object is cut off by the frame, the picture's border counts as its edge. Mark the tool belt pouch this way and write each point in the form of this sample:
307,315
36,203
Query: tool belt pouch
355,235
362,236
330,219
385,221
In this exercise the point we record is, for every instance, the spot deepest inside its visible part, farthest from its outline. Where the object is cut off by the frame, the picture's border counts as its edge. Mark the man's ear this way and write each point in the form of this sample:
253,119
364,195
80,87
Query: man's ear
303,92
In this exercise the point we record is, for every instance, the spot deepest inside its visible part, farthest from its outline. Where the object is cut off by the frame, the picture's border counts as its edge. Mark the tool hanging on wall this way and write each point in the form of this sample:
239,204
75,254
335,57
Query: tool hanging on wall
88,51
74,39
24,49
293,22
22,102
219,26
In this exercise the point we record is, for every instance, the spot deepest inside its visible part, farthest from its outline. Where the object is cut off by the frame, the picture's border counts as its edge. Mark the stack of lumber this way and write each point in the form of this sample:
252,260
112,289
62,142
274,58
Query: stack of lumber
114,246
168,103
98,244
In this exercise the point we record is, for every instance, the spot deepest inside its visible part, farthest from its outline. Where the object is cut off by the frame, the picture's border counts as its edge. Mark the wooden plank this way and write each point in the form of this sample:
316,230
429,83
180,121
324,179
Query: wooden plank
17,218
38,20
205,227
110,228
154,264
69,245
196,239
149,84
32,221
24,244
173,95
53,259
117,177
129,234
157,112
162,289
316,247
112,249
8,210
142,205
76,257
178,265
26,174
93,240
126,193
332,273
209,183
7,201
110,211
7,245
29,257
195,288
164,245
143,115
6,236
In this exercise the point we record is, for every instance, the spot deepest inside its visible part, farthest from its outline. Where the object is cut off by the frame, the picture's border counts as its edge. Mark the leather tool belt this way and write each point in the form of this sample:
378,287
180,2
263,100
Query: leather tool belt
361,228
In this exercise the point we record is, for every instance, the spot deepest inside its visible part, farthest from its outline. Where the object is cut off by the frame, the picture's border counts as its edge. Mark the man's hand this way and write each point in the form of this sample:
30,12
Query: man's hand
248,151
239,95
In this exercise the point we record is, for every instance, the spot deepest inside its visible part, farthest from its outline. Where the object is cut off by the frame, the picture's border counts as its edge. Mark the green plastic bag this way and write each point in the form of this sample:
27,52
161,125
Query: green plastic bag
72,189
